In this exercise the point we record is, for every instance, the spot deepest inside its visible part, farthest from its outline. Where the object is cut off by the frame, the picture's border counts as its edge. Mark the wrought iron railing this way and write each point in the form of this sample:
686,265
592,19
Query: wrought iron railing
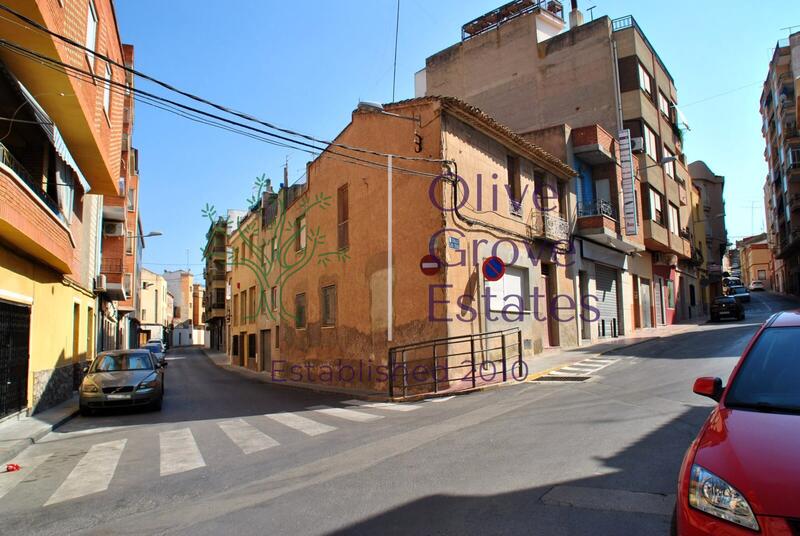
9,160
548,225
601,207
453,364
507,12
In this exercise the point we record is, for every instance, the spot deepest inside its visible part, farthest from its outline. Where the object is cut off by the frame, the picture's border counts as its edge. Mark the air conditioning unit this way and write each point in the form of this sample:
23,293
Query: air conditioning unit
100,283
637,145
114,228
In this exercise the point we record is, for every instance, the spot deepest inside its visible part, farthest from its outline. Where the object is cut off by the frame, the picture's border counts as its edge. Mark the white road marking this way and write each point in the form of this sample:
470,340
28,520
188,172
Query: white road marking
27,465
179,452
349,414
246,436
440,399
92,474
303,424
574,370
382,405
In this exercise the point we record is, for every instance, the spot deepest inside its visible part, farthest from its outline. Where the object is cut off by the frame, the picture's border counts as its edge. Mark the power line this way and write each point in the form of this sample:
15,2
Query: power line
109,82
197,98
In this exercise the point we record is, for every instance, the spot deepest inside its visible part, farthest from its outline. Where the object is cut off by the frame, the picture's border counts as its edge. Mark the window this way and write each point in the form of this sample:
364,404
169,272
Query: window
514,186
252,305
243,308
236,310
343,217
664,106
219,297
235,345
251,345
300,236
300,311
692,298
144,315
129,243
236,256
650,142
131,198
669,167
107,92
762,275
252,246
656,207
176,312
645,80
274,298
91,29
274,247
262,306
277,336
329,306
674,219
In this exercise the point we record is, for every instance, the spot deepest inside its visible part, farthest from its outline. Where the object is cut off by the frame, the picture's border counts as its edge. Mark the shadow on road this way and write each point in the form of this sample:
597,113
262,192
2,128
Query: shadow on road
602,504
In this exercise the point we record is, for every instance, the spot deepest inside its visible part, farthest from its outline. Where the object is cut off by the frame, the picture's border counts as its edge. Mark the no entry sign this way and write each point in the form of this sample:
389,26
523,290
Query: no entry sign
493,268
429,265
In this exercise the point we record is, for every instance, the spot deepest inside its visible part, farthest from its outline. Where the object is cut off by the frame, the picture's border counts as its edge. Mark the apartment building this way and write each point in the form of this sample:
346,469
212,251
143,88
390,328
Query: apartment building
780,112
312,287
198,297
521,64
711,188
180,284
755,259
155,312
215,274
59,156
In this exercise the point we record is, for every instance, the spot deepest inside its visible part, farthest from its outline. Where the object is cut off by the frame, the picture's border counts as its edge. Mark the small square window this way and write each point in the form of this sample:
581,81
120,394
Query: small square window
329,306
300,311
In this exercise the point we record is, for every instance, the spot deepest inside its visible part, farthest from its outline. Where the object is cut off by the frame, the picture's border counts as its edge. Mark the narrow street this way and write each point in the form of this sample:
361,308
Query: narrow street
229,454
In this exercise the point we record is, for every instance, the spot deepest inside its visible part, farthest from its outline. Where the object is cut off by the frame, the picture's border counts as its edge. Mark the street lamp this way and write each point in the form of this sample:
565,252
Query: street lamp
148,235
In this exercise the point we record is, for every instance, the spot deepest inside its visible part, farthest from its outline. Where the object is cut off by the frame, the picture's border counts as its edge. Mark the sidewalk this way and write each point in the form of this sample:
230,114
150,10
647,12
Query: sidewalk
19,432
538,365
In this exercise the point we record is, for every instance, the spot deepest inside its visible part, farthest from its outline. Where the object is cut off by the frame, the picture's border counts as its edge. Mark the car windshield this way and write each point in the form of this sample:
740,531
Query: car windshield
153,348
739,290
769,377
724,300
120,362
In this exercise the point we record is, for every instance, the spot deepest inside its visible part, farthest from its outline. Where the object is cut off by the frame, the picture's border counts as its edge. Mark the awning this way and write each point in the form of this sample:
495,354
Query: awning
52,132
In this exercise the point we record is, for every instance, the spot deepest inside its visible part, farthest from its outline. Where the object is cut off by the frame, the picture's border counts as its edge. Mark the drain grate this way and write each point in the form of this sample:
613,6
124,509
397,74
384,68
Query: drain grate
560,378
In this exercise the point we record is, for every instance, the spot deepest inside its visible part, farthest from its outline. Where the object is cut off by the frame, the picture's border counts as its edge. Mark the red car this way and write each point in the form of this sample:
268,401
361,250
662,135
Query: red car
741,475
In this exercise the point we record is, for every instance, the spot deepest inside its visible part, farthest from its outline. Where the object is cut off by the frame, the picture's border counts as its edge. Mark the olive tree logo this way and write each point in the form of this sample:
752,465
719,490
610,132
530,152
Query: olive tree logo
270,244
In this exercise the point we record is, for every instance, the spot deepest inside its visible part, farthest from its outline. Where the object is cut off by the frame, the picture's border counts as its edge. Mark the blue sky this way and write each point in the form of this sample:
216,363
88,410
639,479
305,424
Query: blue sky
306,66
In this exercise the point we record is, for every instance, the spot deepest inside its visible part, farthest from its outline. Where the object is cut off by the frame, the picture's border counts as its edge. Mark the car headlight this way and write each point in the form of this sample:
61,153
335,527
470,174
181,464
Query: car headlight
89,387
148,383
712,495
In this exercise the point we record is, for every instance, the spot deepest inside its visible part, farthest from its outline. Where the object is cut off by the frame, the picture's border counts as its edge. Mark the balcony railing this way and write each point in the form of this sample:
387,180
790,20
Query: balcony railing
548,225
684,233
9,160
601,207
111,266
507,12
623,23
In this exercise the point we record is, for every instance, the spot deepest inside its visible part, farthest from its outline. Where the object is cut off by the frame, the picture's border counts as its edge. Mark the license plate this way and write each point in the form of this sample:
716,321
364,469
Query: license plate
119,396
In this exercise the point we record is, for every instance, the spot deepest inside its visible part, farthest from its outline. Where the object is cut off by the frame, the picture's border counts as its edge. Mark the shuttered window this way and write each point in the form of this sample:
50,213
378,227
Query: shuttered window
343,217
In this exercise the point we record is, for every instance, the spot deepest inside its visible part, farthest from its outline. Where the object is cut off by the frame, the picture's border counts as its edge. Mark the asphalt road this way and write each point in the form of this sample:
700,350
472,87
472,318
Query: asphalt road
231,455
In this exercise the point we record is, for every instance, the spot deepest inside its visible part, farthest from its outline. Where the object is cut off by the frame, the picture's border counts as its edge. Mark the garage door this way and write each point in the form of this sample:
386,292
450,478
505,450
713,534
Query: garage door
606,288
15,324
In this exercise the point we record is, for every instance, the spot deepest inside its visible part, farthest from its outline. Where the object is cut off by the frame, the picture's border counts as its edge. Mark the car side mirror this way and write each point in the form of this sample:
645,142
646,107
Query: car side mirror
85,369
708,386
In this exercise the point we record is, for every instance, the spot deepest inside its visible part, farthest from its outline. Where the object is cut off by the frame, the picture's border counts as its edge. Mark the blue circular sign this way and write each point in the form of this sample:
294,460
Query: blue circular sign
493,268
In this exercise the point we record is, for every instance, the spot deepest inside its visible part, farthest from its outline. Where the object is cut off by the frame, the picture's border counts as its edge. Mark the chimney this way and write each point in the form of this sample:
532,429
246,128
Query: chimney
575,16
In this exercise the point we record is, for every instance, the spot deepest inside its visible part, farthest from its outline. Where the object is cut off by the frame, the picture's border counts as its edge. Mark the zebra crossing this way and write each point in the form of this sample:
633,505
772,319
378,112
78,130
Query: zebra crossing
179,451
581,369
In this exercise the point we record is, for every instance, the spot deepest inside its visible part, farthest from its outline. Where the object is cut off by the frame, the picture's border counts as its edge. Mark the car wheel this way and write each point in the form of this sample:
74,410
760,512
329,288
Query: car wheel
84,411
156,406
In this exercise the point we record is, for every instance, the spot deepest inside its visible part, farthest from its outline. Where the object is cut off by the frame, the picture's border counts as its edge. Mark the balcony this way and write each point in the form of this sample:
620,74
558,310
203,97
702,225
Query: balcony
548,225
30,219
593,145
497,17
117,285
598,221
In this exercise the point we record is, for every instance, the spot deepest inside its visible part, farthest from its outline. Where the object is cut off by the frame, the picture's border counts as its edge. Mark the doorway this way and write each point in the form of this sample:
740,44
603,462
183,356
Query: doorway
549,283
266,353
15,332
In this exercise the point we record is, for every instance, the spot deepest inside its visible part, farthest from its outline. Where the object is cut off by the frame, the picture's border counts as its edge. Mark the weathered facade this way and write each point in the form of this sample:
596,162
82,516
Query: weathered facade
324,297
523,68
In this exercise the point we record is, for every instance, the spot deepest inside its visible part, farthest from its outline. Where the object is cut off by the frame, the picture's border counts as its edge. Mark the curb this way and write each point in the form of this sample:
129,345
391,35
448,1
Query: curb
22,444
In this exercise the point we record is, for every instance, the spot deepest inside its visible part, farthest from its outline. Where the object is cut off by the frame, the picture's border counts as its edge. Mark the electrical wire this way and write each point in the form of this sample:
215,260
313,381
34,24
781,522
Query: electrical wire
197,98
188,109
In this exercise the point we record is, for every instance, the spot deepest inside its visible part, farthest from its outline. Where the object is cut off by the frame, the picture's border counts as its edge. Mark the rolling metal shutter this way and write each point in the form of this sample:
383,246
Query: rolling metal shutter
606,284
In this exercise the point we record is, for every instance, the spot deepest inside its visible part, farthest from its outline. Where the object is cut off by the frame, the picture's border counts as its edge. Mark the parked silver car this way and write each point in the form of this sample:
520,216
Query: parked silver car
122,378
157,351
